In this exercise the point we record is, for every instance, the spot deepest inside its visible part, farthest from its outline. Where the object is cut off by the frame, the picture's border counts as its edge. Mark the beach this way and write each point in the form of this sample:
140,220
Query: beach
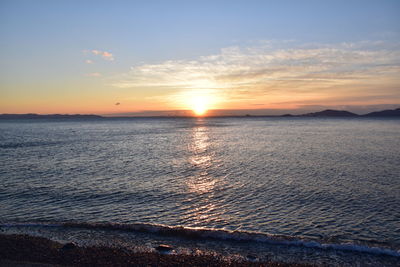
25,250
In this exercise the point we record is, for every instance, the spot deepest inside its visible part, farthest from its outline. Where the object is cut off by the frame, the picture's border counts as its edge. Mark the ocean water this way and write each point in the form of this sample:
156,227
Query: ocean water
325,191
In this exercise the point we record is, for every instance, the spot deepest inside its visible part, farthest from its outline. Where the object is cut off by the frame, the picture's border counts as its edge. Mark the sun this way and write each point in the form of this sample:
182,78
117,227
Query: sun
199,105
199,102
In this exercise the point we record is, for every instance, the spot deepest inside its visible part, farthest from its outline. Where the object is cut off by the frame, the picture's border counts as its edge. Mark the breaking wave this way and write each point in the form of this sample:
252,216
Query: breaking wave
217,234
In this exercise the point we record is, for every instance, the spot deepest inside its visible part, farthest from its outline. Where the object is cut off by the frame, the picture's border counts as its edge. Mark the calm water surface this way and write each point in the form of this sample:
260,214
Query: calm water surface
335,180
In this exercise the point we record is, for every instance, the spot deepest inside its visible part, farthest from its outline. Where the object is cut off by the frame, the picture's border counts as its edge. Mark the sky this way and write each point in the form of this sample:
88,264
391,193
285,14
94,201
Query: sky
144,57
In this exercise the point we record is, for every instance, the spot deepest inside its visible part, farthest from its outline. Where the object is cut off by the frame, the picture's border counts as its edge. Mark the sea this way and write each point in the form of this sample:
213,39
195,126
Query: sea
324,191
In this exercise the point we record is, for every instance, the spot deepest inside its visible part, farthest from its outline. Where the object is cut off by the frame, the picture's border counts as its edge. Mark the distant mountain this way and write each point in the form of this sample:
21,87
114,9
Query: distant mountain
324,113
51,116
331,113
384,113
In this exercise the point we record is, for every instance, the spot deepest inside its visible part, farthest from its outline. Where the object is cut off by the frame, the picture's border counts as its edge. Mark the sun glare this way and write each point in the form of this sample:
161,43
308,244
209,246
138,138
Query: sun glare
199,102
199,105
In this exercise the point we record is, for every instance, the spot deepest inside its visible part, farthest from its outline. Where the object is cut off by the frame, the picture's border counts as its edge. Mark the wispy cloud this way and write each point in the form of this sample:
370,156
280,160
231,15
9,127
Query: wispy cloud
103,54
281,72
93,74
88,61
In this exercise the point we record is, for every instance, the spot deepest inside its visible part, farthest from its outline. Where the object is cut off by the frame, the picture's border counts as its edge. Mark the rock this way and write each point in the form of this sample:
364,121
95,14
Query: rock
164,248
251,258
70,245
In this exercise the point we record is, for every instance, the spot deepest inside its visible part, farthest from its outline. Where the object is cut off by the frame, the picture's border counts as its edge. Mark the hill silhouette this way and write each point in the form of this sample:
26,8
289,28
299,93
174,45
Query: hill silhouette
331,113
49,116
324,113
385,113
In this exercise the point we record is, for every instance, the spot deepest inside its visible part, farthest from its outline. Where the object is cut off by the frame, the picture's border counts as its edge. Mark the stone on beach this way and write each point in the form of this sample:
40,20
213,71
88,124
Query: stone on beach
70,245
164,248
251,258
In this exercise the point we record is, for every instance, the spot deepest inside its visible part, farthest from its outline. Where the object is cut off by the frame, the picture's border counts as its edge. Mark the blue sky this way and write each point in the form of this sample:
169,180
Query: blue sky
45,46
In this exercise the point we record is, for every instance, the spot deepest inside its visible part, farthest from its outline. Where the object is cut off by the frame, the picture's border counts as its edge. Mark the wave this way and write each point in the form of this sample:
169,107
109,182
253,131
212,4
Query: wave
217,234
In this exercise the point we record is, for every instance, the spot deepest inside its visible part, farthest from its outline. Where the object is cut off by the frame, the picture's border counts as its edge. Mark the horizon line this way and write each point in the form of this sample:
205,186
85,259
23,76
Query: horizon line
189,113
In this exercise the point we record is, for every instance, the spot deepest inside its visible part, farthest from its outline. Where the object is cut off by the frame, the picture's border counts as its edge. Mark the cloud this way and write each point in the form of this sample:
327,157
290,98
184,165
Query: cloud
88,61
93,74
279,72
104,54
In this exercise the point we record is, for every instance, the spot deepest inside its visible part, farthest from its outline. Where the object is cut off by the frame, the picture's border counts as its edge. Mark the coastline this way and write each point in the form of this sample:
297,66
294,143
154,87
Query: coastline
25,250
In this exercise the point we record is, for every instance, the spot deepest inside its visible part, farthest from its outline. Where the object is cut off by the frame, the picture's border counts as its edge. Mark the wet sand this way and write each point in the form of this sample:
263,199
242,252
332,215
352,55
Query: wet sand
24,250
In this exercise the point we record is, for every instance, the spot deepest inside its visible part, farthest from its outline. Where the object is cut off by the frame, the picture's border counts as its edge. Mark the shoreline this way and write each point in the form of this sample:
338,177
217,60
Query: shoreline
26,250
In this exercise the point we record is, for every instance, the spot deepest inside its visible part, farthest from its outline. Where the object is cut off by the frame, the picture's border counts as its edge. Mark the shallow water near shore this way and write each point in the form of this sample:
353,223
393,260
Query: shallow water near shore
296,189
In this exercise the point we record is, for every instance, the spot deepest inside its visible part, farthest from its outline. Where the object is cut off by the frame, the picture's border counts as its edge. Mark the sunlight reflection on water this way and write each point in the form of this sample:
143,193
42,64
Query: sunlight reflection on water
203,184
201,160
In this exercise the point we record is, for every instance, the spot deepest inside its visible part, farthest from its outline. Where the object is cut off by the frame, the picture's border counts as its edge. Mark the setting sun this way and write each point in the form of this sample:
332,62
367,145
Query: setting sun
199,106
198,101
